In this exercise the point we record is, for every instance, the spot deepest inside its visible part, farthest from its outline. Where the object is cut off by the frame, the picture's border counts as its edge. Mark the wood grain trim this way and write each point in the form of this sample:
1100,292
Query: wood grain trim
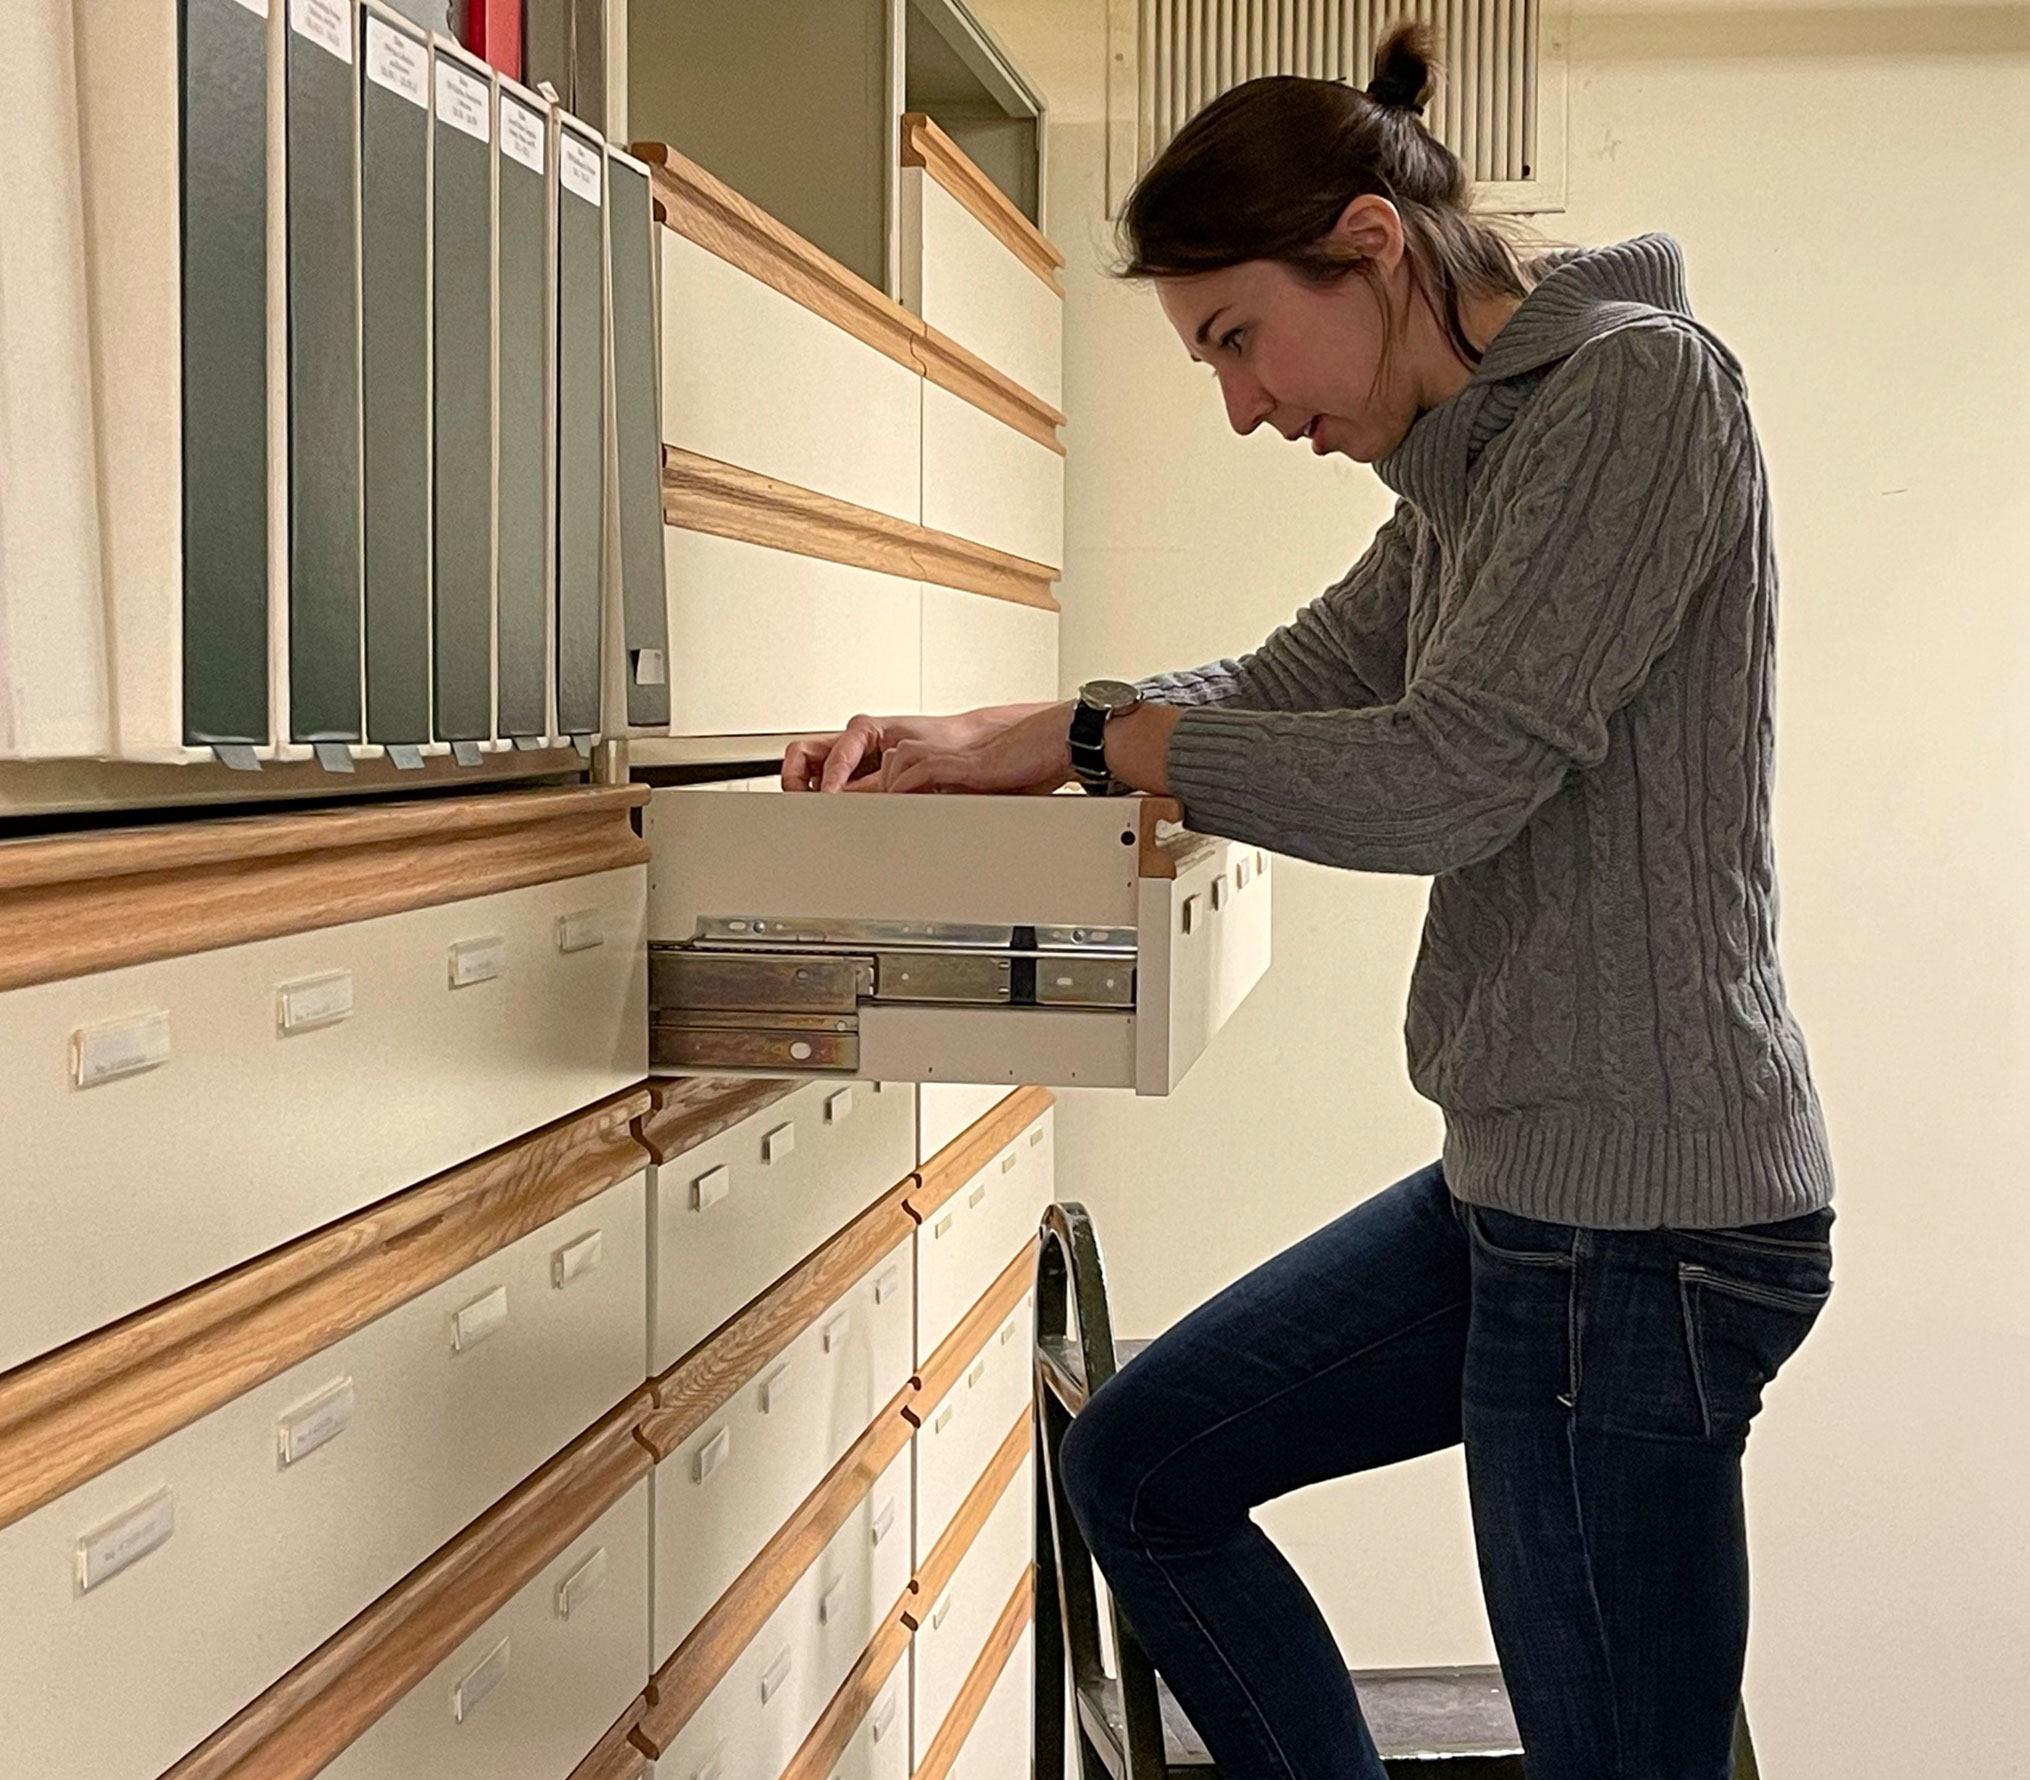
847,1710
329,1699
976,1328
925,145
715,216
701,1662
950,366
976,1146
980,1681
701,494
688,1110
694,1389
981,1500
83,1409
72,906
1152,861
617,1756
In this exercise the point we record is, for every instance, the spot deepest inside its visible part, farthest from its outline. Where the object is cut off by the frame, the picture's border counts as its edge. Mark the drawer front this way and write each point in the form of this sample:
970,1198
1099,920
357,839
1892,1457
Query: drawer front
964,1244
753,379
767,641
982,651
946,1109
958,1623
727,1488
961,1435
772,1696
880,1747
1204,940
528,1693
999,1742
964,283
290,1509
732,1216
985,481
244,1097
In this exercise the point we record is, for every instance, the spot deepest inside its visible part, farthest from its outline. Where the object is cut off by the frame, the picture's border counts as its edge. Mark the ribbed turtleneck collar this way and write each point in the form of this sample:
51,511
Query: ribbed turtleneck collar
1580,294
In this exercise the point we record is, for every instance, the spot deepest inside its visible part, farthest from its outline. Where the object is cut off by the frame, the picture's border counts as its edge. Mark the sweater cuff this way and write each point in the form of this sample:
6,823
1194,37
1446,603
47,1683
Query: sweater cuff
1208,764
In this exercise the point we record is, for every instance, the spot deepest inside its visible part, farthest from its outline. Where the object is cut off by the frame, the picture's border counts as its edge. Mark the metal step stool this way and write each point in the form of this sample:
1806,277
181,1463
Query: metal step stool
1437,1724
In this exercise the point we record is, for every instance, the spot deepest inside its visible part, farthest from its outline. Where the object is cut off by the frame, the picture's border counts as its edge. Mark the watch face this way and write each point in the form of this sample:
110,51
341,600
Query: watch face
1109,695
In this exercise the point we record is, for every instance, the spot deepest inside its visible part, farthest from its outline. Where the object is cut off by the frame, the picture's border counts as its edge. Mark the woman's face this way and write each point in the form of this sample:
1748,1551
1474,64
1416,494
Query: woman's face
1307,358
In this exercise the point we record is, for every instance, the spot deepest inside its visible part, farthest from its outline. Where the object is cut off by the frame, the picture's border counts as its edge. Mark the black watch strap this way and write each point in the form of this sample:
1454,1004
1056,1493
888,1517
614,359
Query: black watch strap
1089,747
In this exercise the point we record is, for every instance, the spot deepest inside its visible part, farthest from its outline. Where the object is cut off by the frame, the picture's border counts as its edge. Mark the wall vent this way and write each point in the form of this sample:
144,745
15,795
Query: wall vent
1500,104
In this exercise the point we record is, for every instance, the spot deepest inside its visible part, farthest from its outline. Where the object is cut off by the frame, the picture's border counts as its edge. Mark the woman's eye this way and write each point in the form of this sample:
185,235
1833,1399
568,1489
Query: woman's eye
1231,339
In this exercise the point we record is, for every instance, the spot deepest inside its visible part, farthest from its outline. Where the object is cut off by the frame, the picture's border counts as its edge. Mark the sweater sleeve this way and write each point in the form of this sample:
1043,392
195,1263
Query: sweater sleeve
1344,651
1634,479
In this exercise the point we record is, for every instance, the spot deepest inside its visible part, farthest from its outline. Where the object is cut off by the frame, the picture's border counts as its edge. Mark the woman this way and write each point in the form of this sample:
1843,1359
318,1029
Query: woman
1547,684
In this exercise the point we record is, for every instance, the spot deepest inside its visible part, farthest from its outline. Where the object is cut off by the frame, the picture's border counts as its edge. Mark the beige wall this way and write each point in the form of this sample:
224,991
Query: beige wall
1848,187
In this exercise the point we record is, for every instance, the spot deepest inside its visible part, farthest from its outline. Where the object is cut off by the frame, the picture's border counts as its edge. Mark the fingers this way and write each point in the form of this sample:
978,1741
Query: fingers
859,742
801,761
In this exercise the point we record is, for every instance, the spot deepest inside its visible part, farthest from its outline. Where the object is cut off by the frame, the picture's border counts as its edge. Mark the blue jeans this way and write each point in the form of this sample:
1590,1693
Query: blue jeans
1602,1381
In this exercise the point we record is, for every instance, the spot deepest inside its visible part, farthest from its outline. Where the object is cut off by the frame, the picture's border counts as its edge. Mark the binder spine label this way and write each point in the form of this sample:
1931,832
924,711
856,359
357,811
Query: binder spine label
259,8
578,168
397,62
461,100
521,133
326,23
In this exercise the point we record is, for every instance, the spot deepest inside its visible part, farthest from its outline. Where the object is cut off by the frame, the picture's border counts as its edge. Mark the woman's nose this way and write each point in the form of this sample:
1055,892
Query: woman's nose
1247,404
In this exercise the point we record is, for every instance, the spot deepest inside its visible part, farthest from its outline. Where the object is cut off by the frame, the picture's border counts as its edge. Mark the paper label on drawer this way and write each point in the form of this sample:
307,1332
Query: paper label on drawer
884,1520
259,8
829,1602
885,1286
714,1766
578,167
477,961
326,23
839,1108
398,62
114,1048
301,1431
708,1189
575,1259
775,1675
712,1455
835,1331
779,1143
479,1319
122,1542
491,1672
461,100
582,1584
650,668
884,1716
775,1388
314,1002
521,133
580,931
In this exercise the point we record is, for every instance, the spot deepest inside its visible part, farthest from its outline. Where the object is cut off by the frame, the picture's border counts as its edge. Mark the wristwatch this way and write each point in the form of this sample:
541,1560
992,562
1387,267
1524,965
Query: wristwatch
1099,702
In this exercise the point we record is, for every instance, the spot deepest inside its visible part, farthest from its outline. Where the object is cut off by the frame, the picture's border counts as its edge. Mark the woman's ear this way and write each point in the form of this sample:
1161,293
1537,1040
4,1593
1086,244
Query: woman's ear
1370,228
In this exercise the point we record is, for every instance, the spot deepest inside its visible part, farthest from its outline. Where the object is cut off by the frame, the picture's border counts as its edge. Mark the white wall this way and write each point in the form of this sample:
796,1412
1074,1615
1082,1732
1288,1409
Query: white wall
1848,187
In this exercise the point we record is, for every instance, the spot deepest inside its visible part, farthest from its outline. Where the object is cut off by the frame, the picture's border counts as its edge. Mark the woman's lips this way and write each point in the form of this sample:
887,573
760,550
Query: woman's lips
1314,432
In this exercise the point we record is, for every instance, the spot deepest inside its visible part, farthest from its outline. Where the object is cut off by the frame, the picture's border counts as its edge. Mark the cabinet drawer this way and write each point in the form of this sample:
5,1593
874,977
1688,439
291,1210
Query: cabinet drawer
999,1742
260,1529
732,1482
1136,939
944,1109
982,651
732,1216
879,1749
957,1624
768,641
960,1435
752,1723
963,1244
984,481
242,1097
533,1688
965,283
753,379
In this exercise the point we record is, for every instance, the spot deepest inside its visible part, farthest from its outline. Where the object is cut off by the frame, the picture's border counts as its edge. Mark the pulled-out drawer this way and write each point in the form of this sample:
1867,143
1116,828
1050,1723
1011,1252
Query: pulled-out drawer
147,1606
961,1435
956,1625
536,1685
752,1723
170,1120
1065,941
722,1494
964,1243
732,1216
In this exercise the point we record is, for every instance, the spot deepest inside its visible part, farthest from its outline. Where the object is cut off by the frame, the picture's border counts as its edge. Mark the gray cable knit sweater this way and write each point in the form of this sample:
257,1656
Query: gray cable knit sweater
1548,684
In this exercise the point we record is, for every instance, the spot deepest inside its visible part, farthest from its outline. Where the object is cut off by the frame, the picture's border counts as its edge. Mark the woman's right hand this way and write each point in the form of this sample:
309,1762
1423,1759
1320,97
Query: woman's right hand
832,762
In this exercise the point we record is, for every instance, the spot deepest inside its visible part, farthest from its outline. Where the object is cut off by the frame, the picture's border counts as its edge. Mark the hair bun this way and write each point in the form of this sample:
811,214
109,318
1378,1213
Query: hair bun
1405,69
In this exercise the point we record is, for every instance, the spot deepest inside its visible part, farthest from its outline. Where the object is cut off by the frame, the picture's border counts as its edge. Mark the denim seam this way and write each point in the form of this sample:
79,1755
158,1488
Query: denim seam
1135,1504
1593,1593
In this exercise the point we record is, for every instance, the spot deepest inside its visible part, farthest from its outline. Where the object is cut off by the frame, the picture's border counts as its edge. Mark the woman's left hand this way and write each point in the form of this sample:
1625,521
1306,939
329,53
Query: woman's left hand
1032,757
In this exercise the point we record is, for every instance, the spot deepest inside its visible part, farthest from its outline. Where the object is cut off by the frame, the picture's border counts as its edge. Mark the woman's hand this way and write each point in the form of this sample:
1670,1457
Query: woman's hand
1030,755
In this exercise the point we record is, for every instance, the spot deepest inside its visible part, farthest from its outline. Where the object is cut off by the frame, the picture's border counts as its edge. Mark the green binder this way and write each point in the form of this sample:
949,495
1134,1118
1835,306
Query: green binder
644,611
522,511
581,429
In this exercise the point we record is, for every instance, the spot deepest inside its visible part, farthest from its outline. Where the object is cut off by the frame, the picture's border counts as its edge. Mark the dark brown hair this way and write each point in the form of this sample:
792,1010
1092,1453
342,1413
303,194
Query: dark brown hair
1264,171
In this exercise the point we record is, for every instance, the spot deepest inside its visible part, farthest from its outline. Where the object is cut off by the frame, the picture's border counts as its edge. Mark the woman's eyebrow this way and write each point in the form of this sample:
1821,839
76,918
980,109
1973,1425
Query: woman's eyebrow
1205,327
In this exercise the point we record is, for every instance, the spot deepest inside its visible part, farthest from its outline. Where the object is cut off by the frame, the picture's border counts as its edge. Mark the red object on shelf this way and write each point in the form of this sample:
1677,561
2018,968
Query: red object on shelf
493,32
